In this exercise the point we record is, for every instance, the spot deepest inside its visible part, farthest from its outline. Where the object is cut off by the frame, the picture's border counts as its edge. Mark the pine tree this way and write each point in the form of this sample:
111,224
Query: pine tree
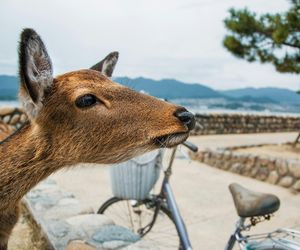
268,38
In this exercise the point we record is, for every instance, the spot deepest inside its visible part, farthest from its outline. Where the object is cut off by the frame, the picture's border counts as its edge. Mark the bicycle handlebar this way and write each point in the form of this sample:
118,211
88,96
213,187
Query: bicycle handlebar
190,146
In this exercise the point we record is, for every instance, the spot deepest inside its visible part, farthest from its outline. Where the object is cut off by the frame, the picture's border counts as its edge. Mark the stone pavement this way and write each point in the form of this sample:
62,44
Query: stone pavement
68,224
201,191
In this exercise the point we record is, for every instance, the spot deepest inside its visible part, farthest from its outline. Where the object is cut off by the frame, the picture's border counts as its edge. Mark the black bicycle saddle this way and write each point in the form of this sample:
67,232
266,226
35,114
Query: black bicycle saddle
249,203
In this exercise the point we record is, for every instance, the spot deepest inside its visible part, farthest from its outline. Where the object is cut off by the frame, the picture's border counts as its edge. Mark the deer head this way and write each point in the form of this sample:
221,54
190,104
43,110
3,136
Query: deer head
82,116
5,130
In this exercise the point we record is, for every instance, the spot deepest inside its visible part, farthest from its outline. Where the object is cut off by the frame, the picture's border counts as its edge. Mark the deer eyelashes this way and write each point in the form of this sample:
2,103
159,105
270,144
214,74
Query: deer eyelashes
86,101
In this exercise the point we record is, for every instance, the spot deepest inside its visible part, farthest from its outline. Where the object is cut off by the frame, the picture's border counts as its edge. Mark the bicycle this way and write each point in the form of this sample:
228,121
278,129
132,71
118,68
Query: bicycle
157,217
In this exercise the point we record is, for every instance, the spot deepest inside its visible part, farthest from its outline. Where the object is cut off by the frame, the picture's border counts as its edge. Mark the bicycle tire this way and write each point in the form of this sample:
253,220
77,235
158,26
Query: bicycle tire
158,237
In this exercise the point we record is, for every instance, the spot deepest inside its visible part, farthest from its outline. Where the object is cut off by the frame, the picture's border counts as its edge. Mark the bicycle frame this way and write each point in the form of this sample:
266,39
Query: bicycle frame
180,226
168,194
285,238
165,202
236,236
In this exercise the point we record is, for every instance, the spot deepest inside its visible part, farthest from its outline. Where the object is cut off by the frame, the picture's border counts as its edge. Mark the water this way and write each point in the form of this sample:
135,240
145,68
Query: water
221,105
214,105
9,104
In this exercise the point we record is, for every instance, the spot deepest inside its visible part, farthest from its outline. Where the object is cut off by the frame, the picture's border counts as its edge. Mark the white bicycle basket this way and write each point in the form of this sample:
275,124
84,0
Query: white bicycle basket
134,179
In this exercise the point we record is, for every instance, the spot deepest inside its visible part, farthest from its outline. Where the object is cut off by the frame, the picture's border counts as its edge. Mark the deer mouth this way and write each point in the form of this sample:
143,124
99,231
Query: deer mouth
170,140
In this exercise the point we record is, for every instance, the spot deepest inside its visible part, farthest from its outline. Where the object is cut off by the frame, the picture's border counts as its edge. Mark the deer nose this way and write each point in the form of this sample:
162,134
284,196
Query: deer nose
186,117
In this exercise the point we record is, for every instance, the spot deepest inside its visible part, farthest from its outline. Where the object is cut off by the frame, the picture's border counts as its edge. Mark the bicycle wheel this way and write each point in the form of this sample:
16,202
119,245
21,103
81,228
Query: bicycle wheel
136,215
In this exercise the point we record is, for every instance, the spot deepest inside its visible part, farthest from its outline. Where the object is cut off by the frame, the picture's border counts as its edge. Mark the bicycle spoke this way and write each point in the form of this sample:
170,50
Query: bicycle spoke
137,216
130,216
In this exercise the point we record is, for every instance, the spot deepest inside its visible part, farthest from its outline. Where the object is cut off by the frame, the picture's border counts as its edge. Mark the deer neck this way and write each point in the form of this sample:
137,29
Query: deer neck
26,158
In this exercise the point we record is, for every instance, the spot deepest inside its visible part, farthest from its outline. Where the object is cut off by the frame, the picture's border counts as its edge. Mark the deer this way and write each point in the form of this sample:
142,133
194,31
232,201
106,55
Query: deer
5,130
77,117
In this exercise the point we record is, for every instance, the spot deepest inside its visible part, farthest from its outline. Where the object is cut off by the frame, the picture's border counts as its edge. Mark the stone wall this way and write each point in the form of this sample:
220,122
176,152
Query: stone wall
206,124
278,171
12,116
238,124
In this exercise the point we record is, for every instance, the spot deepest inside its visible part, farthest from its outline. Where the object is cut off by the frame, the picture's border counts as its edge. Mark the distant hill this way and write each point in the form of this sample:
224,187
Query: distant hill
8,87
248,98
168,88
277,94
173,89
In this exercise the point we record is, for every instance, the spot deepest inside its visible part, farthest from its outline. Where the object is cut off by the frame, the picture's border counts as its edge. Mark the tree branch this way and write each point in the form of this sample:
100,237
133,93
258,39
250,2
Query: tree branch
268,35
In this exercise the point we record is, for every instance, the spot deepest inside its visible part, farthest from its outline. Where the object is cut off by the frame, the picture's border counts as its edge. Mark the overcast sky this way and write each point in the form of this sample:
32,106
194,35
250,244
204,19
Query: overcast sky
179,39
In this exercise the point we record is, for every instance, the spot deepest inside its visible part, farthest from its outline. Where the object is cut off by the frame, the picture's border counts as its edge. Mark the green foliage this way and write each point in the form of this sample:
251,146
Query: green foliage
269,38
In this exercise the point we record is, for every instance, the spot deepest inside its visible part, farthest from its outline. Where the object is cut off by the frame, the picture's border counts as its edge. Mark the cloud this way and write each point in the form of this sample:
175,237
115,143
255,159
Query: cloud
179,39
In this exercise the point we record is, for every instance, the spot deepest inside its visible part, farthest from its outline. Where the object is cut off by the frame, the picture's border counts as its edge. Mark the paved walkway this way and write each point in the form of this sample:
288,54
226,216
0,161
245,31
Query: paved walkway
201,191
214,141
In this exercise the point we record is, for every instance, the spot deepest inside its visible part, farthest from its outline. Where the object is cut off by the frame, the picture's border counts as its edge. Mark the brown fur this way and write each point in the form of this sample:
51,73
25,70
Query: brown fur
5,130
123,124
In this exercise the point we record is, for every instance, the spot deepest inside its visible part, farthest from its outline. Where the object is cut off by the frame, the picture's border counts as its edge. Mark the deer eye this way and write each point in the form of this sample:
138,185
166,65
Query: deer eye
86,101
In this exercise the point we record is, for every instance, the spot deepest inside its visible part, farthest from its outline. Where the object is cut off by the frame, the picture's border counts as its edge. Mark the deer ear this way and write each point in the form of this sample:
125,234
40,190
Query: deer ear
107,65
35,71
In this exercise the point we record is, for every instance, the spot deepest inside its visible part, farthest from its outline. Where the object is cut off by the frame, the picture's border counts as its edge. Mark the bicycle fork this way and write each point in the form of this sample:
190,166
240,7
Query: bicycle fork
180,226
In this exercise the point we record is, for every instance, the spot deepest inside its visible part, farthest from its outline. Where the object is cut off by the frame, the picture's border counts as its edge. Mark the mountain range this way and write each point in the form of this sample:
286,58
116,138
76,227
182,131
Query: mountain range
173,89
278,94
168,88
